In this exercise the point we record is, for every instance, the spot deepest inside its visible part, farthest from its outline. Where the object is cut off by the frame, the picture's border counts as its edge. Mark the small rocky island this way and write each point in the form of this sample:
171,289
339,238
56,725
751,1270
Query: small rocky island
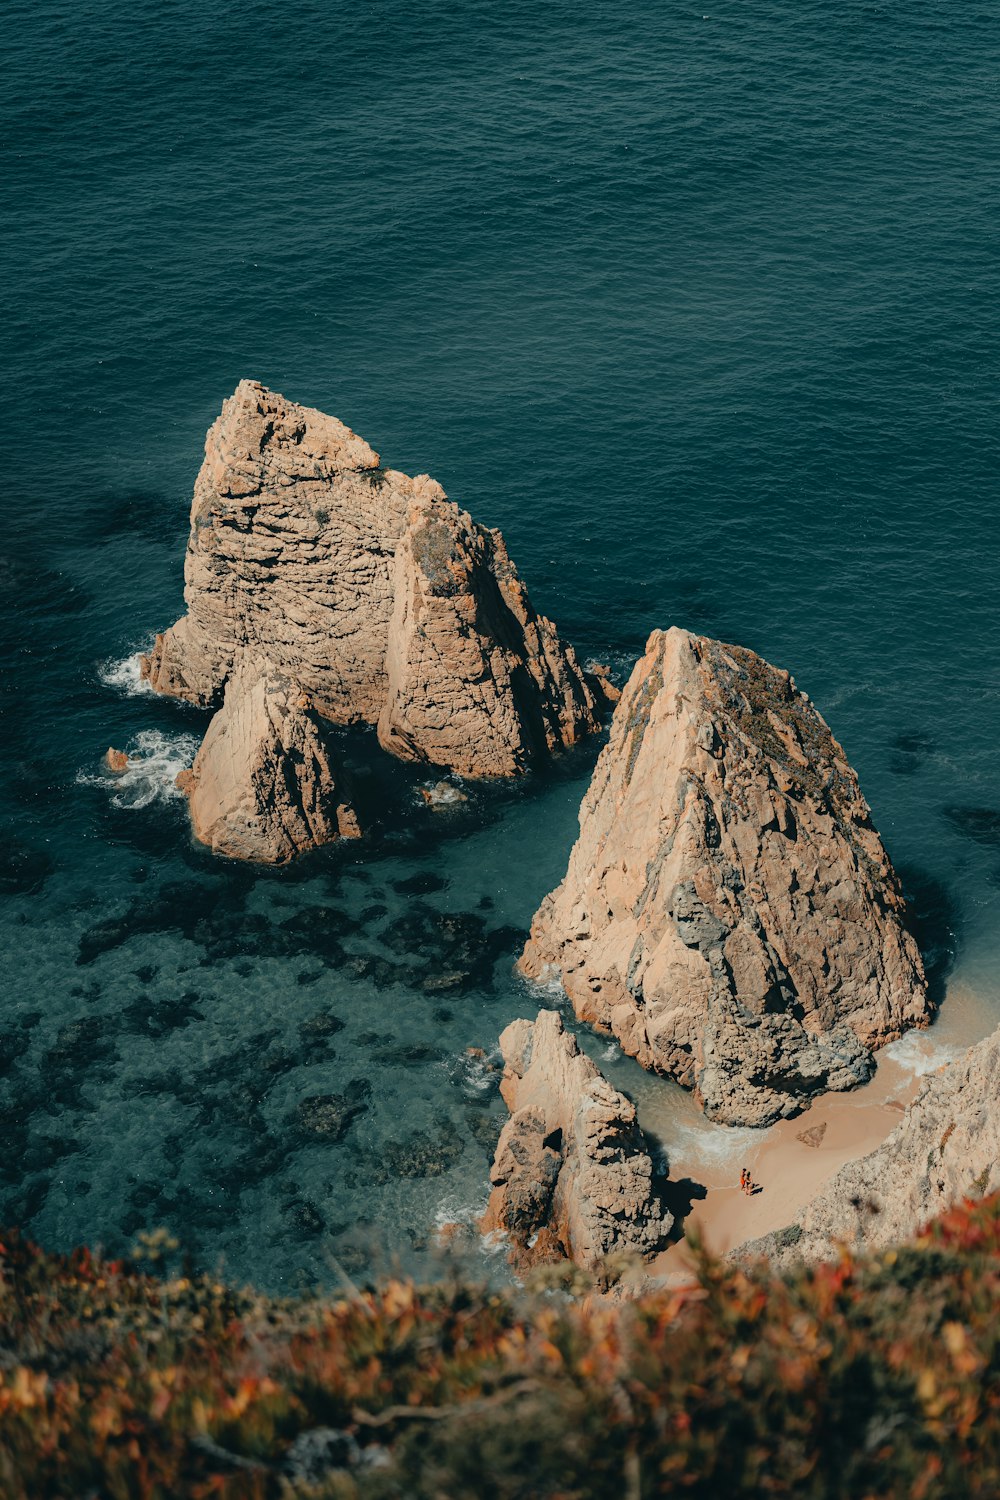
321,586
729,912
572,1176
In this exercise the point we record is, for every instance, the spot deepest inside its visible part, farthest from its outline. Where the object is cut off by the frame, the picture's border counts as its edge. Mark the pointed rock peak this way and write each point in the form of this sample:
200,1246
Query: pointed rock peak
262,786
257,425
729,911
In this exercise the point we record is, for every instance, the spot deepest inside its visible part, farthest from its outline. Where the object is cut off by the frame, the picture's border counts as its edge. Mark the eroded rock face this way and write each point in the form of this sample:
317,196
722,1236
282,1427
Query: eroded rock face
572,1175
729,911
476,679
262,786
383,601
945,1148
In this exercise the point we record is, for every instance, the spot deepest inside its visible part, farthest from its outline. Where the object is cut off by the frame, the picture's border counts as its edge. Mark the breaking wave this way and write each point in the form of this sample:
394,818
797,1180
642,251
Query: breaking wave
154,761
920,1052
124,676
691,1147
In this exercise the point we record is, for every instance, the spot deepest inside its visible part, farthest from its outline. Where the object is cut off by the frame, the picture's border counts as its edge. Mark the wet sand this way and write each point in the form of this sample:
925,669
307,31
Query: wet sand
838,1128
789,1170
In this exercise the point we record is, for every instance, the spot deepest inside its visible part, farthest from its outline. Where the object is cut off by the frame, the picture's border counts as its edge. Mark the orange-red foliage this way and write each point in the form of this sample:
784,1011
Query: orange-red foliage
870,1376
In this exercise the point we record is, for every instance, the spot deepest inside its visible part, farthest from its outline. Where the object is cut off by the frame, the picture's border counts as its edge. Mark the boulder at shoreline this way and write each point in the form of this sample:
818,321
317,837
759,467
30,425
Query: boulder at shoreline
572,1175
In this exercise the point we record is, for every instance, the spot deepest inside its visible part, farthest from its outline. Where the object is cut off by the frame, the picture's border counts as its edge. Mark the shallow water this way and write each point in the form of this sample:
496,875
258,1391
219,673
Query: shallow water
701,310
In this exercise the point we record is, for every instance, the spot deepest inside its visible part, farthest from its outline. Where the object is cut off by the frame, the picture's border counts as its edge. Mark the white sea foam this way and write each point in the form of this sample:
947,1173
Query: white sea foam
693,1146
548,985
450,1211
477,1074
920,1052
154,760
124,675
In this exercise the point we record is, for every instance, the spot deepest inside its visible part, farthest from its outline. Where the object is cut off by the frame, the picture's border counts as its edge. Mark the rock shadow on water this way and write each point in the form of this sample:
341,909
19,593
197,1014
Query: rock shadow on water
935,920
980,824
105,517
909,752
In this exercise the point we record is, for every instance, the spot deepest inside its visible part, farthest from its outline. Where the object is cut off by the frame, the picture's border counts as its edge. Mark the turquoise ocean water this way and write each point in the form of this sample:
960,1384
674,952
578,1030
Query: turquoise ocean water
699,305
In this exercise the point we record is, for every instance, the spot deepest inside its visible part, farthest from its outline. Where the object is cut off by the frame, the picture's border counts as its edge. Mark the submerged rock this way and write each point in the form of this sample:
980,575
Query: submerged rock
572,1175
328,1117
371,592
262,786
945,1148
729,911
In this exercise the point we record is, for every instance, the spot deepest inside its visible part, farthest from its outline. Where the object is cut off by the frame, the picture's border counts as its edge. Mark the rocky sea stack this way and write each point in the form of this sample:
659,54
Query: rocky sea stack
572,1175
729,911
371,594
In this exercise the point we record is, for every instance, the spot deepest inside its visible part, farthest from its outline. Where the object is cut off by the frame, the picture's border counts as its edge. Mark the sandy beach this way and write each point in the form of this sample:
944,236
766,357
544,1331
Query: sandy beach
792,1162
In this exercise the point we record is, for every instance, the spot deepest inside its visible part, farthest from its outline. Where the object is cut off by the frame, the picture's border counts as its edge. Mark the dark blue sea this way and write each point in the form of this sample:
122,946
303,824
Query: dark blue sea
700,304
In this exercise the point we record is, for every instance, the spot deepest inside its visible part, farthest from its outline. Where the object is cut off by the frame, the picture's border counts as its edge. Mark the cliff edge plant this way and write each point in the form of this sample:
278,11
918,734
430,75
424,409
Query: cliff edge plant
871,1376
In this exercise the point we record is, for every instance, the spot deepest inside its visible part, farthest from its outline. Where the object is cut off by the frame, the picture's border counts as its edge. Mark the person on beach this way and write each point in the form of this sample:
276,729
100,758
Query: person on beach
744,1179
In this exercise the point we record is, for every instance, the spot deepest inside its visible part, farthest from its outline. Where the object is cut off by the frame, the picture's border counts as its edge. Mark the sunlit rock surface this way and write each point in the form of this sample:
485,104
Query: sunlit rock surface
384,602
572,1175
729,911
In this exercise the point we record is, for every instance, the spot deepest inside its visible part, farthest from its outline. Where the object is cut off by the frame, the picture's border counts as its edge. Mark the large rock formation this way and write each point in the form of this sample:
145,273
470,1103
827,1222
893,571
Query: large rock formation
729,911
572,1175
475,679
262,786
385,603
945,1148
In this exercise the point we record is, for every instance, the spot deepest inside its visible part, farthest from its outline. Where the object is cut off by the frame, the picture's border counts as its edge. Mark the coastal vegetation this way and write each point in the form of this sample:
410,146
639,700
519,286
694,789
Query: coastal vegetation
867,1375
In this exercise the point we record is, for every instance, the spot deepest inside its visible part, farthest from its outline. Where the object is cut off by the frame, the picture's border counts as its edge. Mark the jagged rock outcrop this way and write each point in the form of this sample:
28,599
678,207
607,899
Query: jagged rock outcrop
572,1175
262,786
475,679
945,1148
729,911
382,600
